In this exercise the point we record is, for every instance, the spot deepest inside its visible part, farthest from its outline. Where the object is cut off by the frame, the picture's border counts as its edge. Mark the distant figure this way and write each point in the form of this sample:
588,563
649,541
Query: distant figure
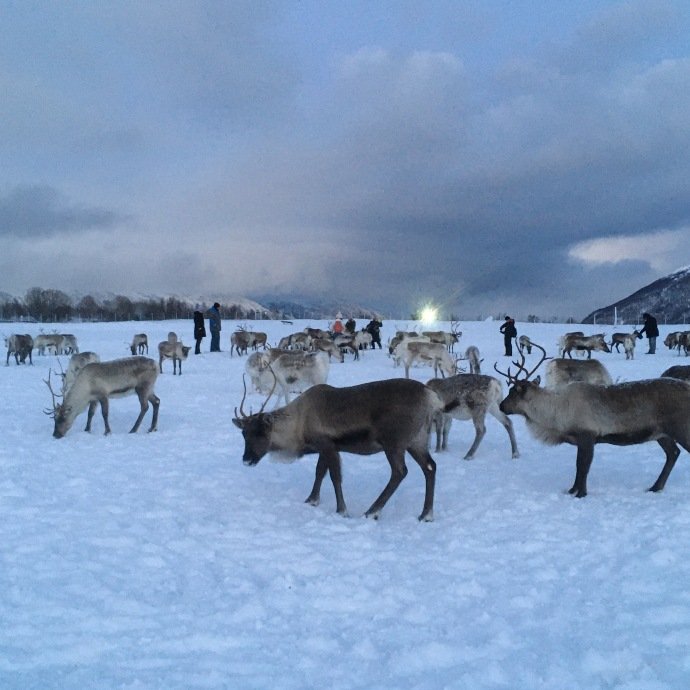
199,330
652,331
509,332
213,315
338,325
351,326
373,327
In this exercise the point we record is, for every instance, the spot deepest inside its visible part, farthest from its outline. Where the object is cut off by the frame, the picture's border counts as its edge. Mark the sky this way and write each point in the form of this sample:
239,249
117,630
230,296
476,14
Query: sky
486,157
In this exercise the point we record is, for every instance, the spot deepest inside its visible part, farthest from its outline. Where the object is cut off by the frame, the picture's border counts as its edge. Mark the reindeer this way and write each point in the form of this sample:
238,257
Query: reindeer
678,371
444,337
472,356
392,416
69,344
627,340
561,372
76,363
434,354
20,346
526,343
470,396
140,342
48,341
329,347
583,414
175,350
292,370
97,383
584,342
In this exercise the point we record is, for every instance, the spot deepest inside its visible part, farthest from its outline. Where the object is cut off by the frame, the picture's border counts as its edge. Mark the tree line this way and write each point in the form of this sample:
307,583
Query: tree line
55,306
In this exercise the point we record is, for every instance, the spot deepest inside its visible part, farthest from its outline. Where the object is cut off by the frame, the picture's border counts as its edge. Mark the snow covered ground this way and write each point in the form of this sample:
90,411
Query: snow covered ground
161,561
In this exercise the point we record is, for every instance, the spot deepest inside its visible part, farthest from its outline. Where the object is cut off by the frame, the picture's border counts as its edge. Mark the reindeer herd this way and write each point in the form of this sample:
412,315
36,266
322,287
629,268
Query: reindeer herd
579,404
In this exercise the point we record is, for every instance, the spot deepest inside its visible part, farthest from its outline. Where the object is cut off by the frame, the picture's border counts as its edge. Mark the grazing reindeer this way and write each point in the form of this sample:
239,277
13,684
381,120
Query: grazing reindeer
390,416
97,383
471,396
584,414
20,346
140,342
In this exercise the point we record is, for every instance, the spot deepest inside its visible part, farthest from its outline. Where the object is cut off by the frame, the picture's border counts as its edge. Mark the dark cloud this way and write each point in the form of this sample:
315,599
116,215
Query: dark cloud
368,151
28,212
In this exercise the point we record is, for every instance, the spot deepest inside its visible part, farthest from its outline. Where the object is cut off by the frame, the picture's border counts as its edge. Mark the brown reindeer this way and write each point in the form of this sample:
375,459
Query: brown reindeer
392,416
583,414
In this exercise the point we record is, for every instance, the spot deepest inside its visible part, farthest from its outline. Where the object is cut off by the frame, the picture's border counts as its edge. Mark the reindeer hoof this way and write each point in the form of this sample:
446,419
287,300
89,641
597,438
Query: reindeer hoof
427,517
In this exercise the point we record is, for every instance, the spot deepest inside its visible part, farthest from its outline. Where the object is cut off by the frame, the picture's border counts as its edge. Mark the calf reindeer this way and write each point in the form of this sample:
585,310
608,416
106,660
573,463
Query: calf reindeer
175,350
97,383
470,396
583,414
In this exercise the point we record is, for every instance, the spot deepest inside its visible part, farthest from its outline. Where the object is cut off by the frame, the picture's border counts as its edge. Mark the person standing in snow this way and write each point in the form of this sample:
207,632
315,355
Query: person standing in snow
652,330
509,332
213,315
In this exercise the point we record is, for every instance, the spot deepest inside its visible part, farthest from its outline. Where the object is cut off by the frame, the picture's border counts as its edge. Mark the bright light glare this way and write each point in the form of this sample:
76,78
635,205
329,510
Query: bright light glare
428,315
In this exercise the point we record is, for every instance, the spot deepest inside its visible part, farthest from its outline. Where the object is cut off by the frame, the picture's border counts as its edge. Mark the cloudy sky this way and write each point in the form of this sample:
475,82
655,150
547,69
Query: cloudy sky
529,157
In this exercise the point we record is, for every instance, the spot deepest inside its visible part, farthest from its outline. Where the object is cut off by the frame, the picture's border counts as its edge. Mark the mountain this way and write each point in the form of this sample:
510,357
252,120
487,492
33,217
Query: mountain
668,299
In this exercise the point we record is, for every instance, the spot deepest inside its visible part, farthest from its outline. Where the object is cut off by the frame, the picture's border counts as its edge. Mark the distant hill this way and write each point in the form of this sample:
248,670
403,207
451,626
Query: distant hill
668,299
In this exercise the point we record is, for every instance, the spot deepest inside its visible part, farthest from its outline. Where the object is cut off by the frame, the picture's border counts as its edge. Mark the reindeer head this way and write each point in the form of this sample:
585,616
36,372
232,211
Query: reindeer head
256,427
60,411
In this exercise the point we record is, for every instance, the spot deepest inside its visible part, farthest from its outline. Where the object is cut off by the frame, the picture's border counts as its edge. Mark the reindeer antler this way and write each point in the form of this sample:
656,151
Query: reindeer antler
521,365
244,396
55,396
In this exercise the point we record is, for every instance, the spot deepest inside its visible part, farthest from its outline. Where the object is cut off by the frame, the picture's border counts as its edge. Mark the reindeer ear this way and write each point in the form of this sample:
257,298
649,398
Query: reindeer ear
238,422
537,381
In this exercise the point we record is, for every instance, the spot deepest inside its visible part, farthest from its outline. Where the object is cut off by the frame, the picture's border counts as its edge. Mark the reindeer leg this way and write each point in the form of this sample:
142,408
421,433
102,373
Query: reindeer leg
143,402
447,423
585,453
508,425
479,432
314,497
396,459
672,452
426,462
104,411
155,401
90,413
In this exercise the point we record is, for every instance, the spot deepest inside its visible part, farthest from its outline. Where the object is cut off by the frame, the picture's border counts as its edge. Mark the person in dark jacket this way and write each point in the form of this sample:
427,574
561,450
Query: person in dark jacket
199,330
652,330
351,326
213,315
373,327
509,332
